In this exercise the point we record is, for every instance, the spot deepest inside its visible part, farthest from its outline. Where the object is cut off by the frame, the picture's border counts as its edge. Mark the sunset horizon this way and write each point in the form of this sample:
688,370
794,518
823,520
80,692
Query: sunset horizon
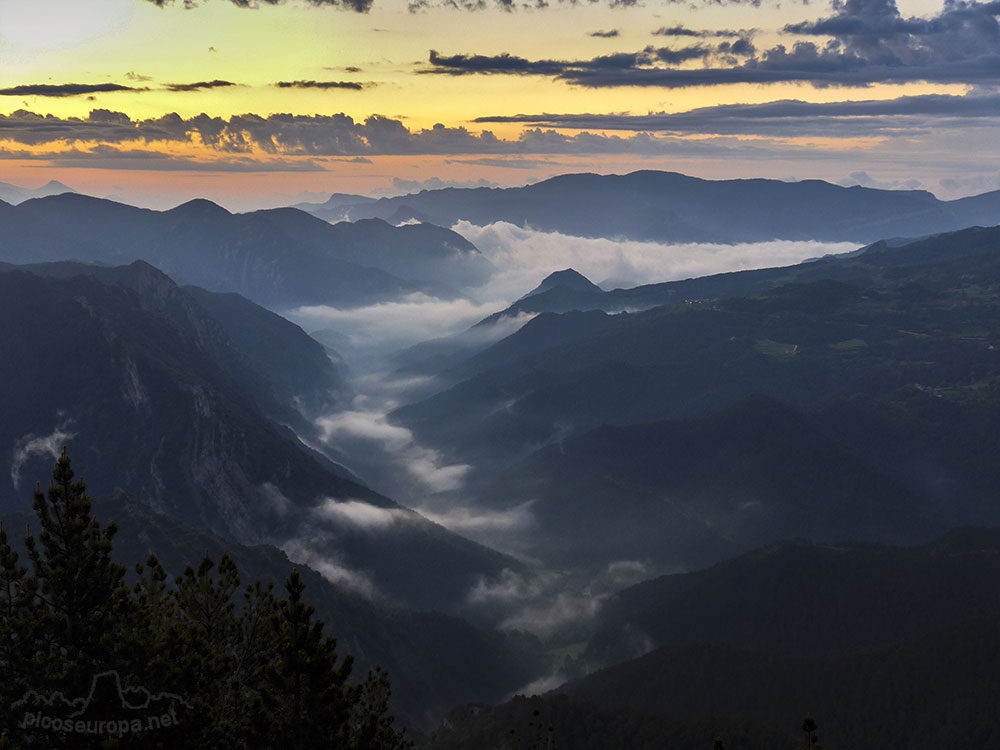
155,102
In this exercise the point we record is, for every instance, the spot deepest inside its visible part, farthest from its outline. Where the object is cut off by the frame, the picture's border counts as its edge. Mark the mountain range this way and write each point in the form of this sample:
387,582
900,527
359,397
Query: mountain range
788,444
279,258
671,207
15,194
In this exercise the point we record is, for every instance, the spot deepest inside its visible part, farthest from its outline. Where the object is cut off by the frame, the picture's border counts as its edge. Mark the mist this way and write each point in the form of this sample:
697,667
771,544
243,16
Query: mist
553,605
522,257
34,445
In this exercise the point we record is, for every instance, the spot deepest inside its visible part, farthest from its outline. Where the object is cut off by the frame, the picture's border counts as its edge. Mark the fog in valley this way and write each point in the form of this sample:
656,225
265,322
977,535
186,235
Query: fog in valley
364,436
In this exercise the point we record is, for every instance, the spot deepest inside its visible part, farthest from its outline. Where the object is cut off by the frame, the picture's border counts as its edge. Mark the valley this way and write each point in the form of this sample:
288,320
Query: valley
689,507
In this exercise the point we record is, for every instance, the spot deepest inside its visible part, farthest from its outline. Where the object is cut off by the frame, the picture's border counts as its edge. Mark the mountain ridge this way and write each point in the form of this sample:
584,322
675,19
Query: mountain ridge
672,207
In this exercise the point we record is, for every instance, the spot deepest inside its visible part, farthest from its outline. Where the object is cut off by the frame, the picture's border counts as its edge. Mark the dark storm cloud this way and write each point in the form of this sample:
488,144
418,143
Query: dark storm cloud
198,85
65,89
792,117
604,34
867,42
361,6
349,85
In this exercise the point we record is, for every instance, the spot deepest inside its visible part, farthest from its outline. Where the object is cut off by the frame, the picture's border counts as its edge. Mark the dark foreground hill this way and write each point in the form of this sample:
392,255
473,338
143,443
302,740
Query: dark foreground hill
571,724
884,646
802,598
925,693
671,207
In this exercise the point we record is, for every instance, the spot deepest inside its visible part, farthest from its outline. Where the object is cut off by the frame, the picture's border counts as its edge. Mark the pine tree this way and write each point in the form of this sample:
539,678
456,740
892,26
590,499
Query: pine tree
305,695
264,676
371,723
80,591
207,626
16,606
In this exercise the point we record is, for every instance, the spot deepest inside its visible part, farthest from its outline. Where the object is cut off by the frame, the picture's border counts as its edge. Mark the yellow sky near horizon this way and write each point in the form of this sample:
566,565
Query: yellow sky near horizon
134,43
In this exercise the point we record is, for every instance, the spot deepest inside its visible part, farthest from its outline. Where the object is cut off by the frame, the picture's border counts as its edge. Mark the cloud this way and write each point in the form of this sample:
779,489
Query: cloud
308,553
866,180
301,135
523,257
971,184
575,71
417,6
411,317
367,425
546,603
869,42
296,136
33,445
273,495
508,530
112,157
361,6
790,117
216,84
397,444
360,514
457,65
678,30
428,467
65,89
348,85
611,34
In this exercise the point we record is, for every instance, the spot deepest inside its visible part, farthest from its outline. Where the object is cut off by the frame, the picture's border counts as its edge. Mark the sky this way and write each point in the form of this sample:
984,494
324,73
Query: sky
266,102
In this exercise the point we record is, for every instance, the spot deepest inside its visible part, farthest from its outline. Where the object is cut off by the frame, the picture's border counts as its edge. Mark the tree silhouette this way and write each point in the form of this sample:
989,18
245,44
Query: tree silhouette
809,727
263,675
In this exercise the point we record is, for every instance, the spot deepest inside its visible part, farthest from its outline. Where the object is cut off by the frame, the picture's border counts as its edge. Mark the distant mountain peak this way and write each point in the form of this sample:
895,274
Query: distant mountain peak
569,278
200,207
55,185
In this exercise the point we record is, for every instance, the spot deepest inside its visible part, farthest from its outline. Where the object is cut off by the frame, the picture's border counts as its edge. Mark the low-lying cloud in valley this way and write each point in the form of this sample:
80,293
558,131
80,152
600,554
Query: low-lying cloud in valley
400,322
439,487
524,256
397,443
360,514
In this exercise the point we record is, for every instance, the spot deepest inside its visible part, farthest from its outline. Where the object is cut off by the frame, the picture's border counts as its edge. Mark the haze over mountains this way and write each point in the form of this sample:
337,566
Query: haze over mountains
280,258
671,207
519,477
15,194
